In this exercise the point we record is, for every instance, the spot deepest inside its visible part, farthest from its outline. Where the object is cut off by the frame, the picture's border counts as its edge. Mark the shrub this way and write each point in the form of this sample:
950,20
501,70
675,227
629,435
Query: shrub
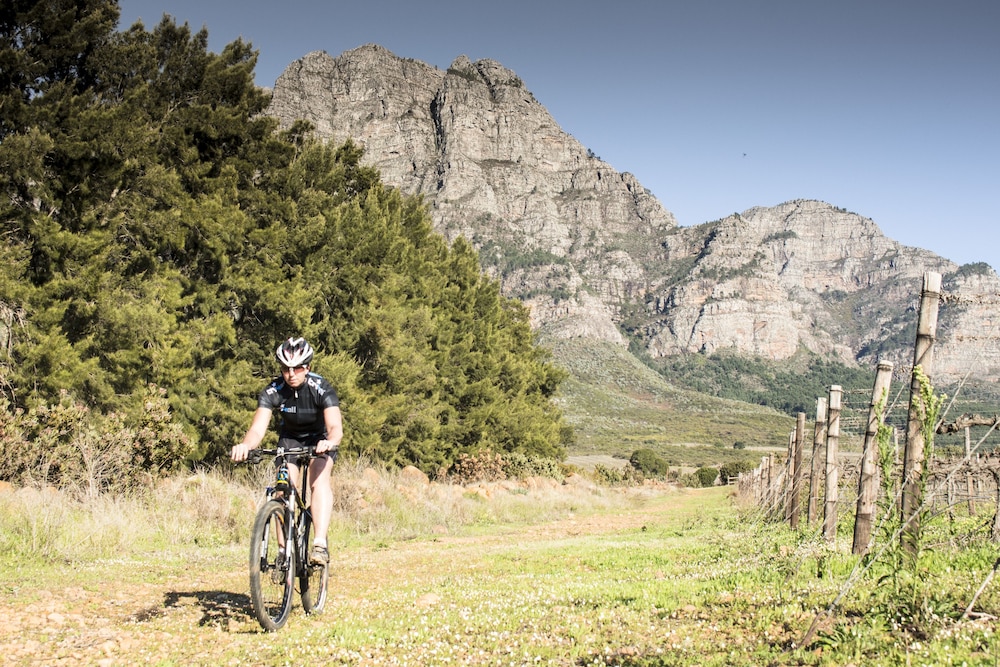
612,476
733,469
69,446
649,463
482,466
489,466
706,476
521,466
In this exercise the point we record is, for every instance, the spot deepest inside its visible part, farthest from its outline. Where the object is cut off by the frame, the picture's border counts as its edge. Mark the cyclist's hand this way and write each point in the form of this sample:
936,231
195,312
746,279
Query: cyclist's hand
325,446
240,452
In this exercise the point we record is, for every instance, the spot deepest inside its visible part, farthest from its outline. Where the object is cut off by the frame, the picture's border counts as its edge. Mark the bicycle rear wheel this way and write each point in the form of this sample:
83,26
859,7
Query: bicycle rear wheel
272,572
312,578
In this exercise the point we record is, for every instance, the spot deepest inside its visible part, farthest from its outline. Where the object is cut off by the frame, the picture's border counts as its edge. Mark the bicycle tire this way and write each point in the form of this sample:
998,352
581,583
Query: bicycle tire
271,583
313,579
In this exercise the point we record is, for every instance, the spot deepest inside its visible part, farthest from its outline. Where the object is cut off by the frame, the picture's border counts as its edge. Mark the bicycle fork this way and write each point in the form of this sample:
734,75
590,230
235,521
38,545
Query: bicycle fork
287,543
291,535
291,552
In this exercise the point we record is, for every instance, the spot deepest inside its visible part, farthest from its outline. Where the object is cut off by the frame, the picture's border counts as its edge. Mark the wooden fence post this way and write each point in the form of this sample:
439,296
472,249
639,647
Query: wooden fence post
913,455
968,475
819,447
951,500
868,482
832,442
765,482
796,504
996,516
769,477
762,482
789,473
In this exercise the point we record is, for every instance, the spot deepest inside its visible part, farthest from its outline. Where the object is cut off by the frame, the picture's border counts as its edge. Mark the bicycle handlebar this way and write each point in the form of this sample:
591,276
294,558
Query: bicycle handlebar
257,455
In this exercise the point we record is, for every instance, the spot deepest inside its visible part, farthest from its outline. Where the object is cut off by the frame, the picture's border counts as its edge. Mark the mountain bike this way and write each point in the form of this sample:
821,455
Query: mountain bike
279,544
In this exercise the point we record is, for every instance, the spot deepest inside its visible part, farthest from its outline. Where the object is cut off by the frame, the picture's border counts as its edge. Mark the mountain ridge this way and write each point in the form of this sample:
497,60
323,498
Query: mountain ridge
595,255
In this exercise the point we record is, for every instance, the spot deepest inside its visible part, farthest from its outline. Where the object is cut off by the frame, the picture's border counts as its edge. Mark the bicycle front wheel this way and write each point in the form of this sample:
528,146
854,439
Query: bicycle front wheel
272,571
312,578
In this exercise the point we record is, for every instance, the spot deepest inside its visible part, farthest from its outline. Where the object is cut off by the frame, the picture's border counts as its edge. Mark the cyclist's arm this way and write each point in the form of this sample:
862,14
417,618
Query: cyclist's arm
255,434
334,430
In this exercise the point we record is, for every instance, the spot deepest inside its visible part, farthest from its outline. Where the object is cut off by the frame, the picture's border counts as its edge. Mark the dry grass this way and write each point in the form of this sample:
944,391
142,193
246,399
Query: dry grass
209,509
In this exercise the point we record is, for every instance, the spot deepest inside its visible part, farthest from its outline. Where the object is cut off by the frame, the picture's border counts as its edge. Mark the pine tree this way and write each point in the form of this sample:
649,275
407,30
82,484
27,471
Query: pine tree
163,234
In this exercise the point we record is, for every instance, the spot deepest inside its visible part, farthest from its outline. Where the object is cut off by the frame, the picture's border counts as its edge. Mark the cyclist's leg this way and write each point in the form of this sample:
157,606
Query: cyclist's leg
289,442
294,474
321,496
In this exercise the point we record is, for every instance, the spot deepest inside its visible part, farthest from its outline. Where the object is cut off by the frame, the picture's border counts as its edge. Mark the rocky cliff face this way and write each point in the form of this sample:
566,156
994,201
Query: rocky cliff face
559,227
968,342
805,274
593,253
767,281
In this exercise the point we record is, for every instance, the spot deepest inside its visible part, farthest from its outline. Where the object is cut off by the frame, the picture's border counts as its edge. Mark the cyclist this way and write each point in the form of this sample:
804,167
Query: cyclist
309,414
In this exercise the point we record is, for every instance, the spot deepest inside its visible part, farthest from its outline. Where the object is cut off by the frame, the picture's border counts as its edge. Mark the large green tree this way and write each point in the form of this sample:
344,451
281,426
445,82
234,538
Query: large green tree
160,231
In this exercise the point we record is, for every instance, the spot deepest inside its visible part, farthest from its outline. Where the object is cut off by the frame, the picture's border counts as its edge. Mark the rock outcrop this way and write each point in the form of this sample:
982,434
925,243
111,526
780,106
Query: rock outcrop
595,255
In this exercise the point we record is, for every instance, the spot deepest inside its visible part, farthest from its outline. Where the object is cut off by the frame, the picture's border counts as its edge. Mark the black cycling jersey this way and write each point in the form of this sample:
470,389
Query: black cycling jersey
300,411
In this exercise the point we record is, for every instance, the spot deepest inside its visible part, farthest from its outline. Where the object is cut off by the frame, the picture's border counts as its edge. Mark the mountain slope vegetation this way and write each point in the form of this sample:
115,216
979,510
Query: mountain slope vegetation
616,405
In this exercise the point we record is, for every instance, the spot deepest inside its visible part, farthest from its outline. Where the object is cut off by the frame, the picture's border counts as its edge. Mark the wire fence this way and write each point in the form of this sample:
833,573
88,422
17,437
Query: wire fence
865,473
963,473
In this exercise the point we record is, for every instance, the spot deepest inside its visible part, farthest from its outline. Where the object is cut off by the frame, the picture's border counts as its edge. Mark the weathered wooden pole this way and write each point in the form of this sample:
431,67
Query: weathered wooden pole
897,464
769,476
913,455
818,458
996,516
789,472
951,501
868,482
800,436
762,482
761,487
832,443
968,474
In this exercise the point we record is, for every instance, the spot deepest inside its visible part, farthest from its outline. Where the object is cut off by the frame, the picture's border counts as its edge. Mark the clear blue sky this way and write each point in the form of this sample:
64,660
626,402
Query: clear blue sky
888,108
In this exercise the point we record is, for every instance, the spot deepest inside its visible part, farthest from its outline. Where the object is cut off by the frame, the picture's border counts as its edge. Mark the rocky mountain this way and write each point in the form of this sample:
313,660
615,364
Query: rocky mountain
805,274
595,255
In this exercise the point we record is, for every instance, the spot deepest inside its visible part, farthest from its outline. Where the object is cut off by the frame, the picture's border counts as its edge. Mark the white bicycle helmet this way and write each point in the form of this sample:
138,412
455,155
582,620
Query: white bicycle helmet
294,352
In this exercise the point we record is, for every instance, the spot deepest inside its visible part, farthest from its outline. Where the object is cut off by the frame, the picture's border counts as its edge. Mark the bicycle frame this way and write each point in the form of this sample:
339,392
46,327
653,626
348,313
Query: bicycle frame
297,496
286,511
